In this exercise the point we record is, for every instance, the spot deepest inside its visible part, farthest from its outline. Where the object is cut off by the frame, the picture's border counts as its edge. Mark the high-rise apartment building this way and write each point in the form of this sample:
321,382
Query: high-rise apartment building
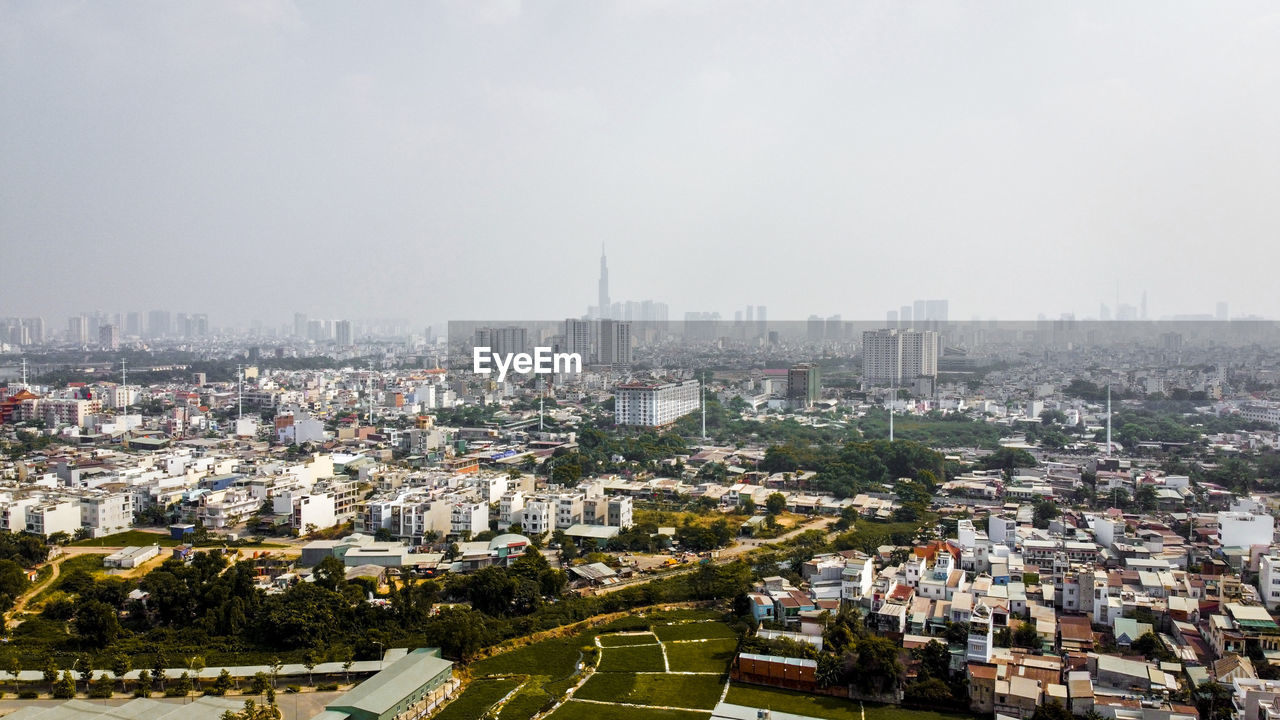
804,386
503,340
300,326
615,343
892,356
342,333
158,323
77,330
109,337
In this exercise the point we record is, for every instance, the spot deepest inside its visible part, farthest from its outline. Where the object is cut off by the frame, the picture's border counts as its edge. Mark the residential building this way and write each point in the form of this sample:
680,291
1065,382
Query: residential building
655,404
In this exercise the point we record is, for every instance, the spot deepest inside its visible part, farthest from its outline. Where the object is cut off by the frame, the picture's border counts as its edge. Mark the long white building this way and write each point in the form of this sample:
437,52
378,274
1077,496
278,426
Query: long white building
654,404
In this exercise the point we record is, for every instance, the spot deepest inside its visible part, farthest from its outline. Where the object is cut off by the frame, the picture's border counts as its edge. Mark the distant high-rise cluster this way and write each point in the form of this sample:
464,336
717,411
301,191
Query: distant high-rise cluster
920,314
641,311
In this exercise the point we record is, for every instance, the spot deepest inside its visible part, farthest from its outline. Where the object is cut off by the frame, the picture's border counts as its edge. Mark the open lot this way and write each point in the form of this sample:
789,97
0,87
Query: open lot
827,707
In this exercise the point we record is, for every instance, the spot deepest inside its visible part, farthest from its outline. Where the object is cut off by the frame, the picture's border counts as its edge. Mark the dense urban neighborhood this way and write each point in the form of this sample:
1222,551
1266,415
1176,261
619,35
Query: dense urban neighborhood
1086,530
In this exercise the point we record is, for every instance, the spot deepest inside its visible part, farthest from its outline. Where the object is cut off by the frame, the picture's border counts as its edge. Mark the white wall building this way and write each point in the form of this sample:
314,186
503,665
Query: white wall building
1237,529
655,404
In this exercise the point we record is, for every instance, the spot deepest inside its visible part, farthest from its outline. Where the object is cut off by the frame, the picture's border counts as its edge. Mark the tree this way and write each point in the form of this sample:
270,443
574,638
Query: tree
260,683
96,623
84,667
103,687
158,670
331,573
1052,710
143,688
748,505
65,687
184,686
1043,512
1026,636
13,667
275,670
309,662
347,656
775,503
120,666
223,684
935,660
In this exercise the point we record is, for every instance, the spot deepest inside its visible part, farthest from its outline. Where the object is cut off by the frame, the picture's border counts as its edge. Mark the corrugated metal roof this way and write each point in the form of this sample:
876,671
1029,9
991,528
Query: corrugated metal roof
383,691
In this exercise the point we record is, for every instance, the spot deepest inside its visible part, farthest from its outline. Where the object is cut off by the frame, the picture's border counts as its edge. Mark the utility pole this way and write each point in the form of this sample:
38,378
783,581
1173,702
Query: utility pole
239,392
1108,419
702,400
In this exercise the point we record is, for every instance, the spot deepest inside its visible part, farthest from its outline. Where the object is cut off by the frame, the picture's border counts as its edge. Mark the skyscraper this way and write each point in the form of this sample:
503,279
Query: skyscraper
890,357
615,342
342,333
604,307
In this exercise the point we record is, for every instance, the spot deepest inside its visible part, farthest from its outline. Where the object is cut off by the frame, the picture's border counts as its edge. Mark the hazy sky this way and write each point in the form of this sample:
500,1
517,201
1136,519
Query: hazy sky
467,159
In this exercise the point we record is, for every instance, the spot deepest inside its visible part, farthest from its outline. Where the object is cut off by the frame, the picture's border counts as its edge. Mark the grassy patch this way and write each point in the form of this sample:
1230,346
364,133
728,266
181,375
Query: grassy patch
682,691
693,631
821,706
476,700
706,656
127,538
591,711
640,658
528,702
623,640
557,657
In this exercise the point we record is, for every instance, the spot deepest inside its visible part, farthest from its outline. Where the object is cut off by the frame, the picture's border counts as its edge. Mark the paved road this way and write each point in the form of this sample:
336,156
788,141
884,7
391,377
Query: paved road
56,563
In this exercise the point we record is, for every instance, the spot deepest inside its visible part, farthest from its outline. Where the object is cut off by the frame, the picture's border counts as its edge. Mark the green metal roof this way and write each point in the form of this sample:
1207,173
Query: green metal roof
384,691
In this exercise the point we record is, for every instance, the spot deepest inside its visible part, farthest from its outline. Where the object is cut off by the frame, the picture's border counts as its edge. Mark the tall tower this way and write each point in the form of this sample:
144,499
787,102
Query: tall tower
603,307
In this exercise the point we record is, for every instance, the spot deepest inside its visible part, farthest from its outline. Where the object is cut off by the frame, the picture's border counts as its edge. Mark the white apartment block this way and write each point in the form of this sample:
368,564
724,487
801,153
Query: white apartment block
1269,580
53,516
655,404
510,508
569,509
107,514
222,509
892,357
314,511
1240,529
469,517
13,514
539,517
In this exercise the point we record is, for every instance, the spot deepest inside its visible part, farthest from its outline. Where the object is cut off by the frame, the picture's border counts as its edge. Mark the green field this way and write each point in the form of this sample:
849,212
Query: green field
129,537
682,691
693,631
637,658
476,700
590,711
820,706
556,657
711,656
621,640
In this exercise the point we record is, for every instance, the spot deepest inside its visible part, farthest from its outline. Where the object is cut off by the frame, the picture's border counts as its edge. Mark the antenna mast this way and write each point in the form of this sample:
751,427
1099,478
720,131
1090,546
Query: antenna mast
239,392
1108,419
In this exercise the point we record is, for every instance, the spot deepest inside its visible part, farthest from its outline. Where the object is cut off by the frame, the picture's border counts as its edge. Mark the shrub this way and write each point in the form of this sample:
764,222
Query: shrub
293,688
28,694
327,687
